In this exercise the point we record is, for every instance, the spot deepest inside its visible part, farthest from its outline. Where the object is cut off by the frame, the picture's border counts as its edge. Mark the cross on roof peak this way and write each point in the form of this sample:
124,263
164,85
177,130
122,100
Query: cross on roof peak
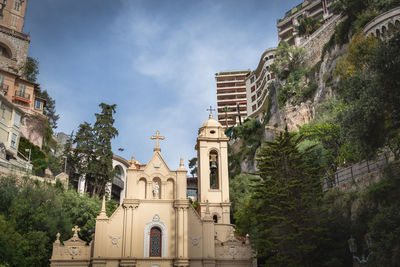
211,110
158,138
76,229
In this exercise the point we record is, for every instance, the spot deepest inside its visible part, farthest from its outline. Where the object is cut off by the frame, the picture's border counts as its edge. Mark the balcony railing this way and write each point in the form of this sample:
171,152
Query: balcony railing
22,95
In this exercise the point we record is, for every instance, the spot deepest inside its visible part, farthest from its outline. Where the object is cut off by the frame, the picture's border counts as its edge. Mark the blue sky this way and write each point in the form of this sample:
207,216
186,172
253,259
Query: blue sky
155,59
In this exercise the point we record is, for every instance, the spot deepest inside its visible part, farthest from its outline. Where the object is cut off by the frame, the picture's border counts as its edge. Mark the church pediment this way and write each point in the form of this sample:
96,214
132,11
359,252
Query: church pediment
157,165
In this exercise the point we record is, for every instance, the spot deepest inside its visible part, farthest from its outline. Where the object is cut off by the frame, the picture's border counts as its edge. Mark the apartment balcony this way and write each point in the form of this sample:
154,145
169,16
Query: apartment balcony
22,96
4,88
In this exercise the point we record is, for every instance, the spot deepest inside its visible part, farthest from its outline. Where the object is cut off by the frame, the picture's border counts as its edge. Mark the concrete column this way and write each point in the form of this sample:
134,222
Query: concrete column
82,184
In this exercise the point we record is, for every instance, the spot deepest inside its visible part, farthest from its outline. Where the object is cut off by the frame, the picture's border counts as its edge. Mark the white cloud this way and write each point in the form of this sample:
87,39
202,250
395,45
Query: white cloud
182,60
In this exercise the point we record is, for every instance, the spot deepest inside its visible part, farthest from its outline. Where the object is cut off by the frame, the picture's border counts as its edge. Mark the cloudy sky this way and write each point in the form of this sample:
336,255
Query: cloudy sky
155,59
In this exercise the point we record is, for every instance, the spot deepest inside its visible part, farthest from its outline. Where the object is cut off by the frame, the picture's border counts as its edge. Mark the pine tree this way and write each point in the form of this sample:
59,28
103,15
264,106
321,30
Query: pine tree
104,131
281,214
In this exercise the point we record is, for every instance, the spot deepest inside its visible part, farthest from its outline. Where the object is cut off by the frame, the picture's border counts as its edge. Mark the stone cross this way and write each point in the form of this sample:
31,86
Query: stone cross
76,229
158,138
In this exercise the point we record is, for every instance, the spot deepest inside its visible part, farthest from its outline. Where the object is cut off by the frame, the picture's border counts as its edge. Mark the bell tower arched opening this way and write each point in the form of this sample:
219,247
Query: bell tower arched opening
214,170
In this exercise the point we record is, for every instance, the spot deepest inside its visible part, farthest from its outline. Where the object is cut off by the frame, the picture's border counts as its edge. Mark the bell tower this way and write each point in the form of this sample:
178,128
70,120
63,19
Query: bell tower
213,179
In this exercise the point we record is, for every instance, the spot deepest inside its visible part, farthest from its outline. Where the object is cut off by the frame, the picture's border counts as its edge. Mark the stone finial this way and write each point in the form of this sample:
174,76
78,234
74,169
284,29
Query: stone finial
57,238
181,164
103,214
207,208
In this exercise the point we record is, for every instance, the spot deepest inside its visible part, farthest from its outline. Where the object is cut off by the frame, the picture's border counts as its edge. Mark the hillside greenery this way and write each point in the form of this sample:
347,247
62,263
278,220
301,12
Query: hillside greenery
31,214
359,121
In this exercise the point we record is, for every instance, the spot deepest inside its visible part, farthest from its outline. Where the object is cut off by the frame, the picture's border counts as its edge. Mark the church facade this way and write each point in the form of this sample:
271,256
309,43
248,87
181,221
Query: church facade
156,226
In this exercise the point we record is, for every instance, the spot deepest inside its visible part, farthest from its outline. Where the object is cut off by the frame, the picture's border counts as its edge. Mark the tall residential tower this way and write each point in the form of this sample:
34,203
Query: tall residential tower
231,94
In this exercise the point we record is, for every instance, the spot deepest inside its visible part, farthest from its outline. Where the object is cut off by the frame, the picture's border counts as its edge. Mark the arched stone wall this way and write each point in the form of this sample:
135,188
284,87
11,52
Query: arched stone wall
384,25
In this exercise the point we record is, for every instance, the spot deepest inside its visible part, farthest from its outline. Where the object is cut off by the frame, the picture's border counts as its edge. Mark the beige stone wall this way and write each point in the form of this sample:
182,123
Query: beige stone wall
19,52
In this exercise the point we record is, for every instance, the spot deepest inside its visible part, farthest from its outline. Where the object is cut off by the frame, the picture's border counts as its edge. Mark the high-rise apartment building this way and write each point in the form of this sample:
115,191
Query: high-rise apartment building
257,85
231,97
13,84
315,9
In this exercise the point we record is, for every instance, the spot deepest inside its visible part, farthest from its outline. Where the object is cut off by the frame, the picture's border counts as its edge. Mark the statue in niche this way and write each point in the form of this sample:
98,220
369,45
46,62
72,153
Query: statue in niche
156,190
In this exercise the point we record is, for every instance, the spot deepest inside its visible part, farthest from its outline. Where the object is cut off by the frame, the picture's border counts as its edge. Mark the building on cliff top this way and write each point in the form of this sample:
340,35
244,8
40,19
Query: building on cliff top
157,226
13,55
315,9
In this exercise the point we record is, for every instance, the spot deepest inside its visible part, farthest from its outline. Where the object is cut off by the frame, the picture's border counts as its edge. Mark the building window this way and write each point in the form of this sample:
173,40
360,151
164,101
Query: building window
215,219
252,80
254,107
38,104
253,98
17,5
13,140
17,119
14,21
155,242
253,88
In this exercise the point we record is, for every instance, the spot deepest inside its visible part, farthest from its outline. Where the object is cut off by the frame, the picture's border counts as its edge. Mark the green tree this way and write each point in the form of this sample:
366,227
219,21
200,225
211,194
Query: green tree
371,119
308,25
226,110
50,108
31,69
281,216
193,166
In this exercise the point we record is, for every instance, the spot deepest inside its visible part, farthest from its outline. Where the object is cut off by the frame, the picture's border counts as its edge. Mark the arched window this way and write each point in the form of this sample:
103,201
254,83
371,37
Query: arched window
215,219
214,170
155,242
5,51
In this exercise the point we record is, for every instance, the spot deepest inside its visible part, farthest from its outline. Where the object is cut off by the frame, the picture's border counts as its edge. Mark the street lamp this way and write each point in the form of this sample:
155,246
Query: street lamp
353,248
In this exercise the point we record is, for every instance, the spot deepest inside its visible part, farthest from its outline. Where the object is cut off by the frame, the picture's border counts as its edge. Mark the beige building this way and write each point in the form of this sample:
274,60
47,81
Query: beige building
257,86
13,54
287,26
156,226
10,125
231,94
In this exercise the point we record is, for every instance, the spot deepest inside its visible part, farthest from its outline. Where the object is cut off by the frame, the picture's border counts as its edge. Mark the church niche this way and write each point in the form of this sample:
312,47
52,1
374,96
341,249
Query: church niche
214,178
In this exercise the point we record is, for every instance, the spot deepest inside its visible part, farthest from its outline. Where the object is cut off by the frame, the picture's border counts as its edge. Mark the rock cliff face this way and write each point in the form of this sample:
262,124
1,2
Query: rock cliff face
293,116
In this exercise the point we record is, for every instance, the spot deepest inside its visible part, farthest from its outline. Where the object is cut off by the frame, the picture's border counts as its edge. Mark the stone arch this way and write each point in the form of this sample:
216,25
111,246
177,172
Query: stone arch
214,165
391,28
7,49
160,189
383,29
164,236
216,217
170,189
118,184
142,188
378,33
